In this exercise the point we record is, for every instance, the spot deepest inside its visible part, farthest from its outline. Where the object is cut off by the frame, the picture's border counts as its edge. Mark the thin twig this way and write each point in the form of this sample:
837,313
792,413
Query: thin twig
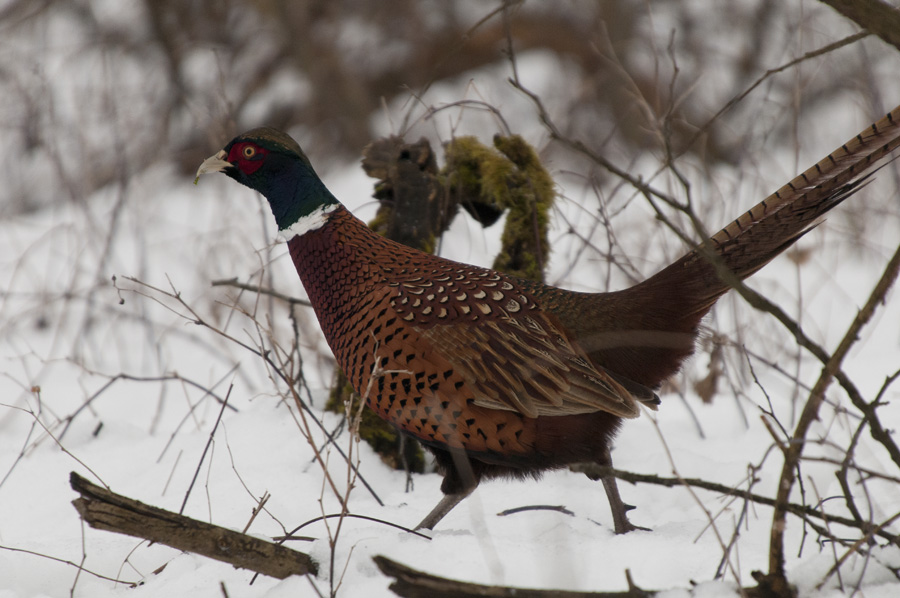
209,441
130,584
233,282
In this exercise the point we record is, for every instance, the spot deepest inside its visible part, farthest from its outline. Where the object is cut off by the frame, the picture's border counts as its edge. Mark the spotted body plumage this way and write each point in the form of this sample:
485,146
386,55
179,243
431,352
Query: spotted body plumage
434,346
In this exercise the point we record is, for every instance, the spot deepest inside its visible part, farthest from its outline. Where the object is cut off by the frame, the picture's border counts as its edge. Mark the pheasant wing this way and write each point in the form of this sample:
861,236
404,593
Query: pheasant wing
526,364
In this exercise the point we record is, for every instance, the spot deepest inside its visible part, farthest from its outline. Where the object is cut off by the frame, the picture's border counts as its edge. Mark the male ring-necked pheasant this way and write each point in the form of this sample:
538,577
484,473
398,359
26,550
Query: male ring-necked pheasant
505,377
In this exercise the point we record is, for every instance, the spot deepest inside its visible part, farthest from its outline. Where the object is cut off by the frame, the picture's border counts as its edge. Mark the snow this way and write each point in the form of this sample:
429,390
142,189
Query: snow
65,331
69,331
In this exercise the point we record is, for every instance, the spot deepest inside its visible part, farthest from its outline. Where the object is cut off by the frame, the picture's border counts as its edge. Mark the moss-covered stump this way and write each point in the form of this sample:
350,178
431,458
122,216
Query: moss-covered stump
507,177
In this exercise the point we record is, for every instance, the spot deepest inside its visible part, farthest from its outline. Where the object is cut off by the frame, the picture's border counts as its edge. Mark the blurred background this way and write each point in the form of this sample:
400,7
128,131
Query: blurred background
97,90
108,252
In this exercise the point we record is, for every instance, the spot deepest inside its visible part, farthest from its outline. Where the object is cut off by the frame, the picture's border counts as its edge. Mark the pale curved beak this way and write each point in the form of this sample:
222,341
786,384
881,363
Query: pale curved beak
216,163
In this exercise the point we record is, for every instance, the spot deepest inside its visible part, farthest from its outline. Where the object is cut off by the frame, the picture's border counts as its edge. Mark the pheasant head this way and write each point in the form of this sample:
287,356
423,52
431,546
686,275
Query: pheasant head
269,161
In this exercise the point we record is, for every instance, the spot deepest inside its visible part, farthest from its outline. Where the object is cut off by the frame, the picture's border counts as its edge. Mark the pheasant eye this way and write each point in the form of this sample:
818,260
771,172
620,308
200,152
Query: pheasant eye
249,151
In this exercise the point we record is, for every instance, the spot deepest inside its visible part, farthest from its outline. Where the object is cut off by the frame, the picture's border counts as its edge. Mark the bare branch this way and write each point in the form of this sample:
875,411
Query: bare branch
810,413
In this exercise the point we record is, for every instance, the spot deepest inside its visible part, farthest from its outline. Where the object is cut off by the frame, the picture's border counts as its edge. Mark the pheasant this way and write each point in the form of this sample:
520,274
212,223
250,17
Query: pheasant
498,376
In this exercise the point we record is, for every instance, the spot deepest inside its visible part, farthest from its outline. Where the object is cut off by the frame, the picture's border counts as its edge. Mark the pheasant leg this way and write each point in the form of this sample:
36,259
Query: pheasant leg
442,508
619,509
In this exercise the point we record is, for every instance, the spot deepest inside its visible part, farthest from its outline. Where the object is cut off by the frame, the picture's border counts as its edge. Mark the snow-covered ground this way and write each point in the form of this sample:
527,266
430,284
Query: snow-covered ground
104,371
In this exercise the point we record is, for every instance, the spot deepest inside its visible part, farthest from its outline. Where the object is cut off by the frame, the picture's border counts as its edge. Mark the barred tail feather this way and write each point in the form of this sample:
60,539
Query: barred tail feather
771,226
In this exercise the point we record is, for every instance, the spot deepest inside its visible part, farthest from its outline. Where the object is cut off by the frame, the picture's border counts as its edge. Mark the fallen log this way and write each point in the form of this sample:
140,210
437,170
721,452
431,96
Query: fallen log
105,510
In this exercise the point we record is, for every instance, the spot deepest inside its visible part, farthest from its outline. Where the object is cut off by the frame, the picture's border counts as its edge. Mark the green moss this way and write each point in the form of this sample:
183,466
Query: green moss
341,390
379,223
526,248
429,244
476,171
510,177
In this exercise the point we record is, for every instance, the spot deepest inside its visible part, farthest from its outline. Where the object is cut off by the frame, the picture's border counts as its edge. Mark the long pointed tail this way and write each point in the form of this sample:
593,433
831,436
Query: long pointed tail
665,310
774,224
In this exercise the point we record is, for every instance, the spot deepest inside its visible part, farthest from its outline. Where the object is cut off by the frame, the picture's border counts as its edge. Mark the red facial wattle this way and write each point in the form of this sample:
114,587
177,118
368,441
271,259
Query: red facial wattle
247,157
